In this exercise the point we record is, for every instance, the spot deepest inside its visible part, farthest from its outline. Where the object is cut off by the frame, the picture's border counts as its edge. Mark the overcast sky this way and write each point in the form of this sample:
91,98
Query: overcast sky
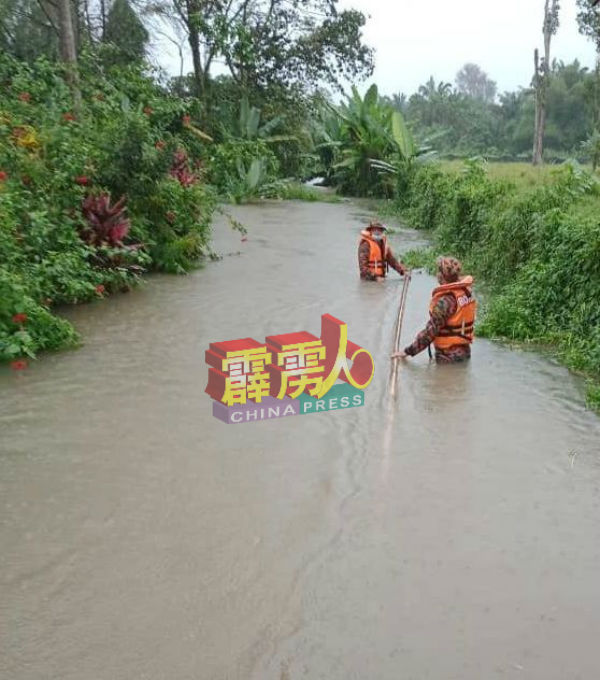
415,39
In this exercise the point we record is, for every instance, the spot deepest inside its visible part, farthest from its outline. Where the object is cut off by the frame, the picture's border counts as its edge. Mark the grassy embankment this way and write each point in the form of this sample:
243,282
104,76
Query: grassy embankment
532,237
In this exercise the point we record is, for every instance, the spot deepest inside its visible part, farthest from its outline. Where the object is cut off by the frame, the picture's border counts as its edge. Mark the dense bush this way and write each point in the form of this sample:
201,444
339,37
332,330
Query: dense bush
61,175
540,251
243,169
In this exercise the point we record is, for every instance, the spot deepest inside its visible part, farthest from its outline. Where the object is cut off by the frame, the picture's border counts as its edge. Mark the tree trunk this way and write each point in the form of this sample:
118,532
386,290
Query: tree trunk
541,78
88,21
103,17
539,159
596,98
193,8
537,153
194,41
68,51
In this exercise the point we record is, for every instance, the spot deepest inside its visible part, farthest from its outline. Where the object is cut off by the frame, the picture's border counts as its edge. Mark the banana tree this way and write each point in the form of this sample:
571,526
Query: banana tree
365,135
250,128
373,143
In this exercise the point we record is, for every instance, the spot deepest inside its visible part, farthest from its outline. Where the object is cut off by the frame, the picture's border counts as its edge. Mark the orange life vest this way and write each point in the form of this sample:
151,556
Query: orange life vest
459,327
377,251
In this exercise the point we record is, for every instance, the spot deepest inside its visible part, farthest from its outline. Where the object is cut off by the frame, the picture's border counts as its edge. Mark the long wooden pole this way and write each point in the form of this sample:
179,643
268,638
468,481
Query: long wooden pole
398,333
391,410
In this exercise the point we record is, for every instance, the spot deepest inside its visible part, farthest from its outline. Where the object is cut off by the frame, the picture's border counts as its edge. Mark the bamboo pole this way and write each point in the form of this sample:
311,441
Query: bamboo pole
397,333
391,411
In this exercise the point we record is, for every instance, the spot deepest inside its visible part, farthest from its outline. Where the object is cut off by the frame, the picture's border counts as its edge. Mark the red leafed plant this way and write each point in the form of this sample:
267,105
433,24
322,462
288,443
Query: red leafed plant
180,169
107,224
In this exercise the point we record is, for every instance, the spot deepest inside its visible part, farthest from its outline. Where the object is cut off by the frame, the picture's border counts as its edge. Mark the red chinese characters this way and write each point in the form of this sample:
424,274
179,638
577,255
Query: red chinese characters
287,365
340,350
238,371
299,364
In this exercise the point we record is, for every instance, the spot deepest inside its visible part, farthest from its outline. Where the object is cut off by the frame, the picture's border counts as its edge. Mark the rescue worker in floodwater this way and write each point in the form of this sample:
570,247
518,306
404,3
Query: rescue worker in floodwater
375,256
452,313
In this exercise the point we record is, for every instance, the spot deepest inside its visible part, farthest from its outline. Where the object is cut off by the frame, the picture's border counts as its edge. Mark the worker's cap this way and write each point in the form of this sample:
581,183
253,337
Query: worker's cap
377,225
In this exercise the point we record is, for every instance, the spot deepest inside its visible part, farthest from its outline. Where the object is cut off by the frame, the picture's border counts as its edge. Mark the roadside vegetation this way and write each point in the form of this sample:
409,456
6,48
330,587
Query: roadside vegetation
109,168
536,249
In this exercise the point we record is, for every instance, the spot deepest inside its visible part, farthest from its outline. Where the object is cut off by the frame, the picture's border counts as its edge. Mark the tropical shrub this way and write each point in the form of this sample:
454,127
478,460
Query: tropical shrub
62,238
242,169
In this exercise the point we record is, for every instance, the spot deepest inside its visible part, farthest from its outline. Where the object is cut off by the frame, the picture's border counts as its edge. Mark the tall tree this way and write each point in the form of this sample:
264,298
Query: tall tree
541,77
588,19
272,41
124,29
473,82
430,104
28,29
68,50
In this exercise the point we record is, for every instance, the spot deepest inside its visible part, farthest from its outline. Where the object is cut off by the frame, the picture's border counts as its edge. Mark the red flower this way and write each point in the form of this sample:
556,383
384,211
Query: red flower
160,145
19,318
180,169
187,119
25,96
148,110
100,289
171,216
68,116
82,180
18,365
3,176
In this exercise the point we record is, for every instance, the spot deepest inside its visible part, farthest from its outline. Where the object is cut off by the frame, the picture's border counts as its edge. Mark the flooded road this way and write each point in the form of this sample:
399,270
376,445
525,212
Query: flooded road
144,539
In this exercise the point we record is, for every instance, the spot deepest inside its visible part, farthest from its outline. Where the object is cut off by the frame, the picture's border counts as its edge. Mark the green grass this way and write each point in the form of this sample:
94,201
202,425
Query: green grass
587,207
593,396
420,258
535,248
524,175
295,191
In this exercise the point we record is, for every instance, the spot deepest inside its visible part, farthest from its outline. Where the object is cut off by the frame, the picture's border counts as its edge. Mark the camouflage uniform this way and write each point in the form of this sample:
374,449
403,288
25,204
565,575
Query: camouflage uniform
446,306
363,262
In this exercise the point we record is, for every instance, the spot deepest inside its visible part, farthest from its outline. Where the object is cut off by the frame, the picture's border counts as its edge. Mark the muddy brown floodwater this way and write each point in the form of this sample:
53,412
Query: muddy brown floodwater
141,538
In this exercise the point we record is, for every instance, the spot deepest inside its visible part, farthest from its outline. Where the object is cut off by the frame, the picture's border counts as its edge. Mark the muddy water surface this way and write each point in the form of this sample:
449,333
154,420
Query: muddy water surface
142,538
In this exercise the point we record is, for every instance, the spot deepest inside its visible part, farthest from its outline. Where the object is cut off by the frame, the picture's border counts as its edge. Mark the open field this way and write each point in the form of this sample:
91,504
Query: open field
524,175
